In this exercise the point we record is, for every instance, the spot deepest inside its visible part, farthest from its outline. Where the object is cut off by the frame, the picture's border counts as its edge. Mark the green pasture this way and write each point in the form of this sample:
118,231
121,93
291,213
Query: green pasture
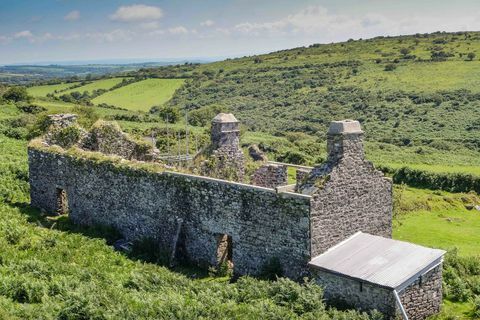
42,91
95,85
141,96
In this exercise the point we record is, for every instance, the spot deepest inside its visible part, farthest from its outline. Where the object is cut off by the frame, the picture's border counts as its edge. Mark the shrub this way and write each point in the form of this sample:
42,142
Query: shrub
390,67
31,108
66,137
293,157
272,269
16,94
167,113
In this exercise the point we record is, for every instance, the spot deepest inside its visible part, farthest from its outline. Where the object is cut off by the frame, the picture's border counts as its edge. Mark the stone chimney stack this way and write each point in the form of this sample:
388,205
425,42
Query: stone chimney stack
344,139
62,120
225,131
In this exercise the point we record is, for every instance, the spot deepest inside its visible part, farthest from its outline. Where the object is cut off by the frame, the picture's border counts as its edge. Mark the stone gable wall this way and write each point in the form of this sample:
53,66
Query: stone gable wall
354,197
423,298
263,224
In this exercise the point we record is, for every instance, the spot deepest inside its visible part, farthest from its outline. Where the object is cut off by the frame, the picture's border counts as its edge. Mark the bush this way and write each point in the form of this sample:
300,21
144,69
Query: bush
293,157
16,94
203,116
167,113
452,182
31,108
390,67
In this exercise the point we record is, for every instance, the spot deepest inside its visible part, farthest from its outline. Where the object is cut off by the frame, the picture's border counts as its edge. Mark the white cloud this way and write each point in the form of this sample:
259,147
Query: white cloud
318,22
26,34
152,25
72,16
137,13
112,36
207,23
178,30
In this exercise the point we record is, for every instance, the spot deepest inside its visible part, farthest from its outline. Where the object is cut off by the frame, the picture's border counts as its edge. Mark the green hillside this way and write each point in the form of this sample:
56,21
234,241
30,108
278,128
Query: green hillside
410,90
141,95
42,91
103,84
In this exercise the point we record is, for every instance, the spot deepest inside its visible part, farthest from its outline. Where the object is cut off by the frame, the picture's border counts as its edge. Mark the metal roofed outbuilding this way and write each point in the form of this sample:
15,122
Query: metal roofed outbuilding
372,272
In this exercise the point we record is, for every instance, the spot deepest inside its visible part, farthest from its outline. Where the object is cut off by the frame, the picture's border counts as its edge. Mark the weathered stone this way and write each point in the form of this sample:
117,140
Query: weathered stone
420,299
270,175
147,205
348,193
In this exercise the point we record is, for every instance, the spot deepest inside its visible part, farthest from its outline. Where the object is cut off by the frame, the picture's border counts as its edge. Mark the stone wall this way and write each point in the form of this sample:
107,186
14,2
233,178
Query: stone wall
347,292
348,193
262,224
423,298
270,175
420,299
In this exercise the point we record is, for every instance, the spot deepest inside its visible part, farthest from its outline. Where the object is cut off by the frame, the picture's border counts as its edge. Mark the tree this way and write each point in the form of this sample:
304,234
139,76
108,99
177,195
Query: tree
167,113
16,94
471,56
404,51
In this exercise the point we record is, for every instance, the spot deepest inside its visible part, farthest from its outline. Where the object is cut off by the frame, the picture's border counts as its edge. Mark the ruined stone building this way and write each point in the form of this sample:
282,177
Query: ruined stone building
333,224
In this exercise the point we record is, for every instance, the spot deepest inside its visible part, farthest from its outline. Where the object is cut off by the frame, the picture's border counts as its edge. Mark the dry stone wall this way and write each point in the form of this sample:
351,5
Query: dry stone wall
262,224
423,298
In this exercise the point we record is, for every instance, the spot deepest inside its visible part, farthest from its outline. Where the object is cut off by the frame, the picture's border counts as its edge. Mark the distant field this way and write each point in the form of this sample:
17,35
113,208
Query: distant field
42,91
141,96
96,85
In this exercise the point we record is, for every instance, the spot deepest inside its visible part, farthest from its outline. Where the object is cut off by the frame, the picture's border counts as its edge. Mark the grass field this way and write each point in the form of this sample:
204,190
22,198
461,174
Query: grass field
42,91
95,85
439,219
420,77
141,96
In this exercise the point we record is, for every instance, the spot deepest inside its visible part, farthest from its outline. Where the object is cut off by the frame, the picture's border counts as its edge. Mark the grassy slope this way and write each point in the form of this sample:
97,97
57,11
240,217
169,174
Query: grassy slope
303,89
141,95
42,91
95,85
439,219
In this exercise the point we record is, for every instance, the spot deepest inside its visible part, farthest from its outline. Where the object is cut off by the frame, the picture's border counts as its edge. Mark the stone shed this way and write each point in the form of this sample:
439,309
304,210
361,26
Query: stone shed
372,272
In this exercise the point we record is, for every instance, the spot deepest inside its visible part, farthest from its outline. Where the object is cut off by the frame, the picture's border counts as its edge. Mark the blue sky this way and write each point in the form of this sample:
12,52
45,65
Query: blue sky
66,30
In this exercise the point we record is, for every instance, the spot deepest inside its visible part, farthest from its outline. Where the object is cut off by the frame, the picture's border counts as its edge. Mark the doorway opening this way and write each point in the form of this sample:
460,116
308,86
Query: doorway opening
62,202
224,251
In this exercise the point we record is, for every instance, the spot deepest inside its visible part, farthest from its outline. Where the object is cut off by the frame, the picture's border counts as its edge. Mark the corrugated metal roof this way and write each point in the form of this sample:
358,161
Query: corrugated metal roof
386,262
